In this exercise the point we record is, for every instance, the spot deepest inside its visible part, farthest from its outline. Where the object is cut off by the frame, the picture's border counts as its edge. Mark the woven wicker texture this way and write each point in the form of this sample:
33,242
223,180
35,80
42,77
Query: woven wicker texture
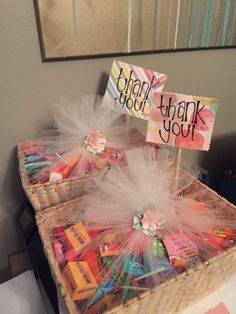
168,298
49,194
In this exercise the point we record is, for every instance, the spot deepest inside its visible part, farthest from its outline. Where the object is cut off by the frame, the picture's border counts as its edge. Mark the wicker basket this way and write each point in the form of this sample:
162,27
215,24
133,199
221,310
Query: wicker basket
48,194
44,195
170,297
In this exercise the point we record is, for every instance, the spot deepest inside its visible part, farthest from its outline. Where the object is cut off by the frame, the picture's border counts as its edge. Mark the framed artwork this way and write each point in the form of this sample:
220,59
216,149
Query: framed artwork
76,29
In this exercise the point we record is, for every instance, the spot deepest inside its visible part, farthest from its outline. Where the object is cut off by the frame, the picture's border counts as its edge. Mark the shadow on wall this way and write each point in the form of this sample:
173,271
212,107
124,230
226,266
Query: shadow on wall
102,84
12,187
221,156
12,197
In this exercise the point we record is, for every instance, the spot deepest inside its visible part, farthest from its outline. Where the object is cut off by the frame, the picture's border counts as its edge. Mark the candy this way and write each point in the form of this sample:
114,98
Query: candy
110,244
181,250
78,237
94,233
79,280
219,237
58,251
225,232
54,176
64,168
91,257
50,166
107,286
30,149
158,249
100,302
43,164
104,263
63,249
133,265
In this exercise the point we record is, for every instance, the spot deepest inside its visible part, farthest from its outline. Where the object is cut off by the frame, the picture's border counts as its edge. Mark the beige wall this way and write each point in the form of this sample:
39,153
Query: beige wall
28,89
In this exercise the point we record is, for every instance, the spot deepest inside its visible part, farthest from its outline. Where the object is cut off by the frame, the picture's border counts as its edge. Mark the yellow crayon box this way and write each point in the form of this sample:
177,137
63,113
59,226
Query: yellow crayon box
78,237
79,280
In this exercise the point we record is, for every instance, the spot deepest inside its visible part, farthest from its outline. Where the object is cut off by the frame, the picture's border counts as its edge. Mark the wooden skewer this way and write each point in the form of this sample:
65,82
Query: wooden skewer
177,169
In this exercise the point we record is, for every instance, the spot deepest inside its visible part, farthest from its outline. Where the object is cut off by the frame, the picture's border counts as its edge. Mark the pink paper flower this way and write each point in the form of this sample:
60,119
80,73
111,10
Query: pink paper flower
153,220
149,221
95,142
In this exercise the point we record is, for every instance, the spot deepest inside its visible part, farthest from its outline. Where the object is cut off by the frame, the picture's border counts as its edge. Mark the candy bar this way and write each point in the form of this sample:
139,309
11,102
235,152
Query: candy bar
79,280
78,237
181,250
133,265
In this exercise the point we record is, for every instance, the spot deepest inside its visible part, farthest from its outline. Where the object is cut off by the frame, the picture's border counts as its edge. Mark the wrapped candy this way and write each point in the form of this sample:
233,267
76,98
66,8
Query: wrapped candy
87,138
140,231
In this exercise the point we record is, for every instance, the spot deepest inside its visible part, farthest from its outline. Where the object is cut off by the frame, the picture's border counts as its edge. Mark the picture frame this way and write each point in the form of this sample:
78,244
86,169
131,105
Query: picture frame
83,29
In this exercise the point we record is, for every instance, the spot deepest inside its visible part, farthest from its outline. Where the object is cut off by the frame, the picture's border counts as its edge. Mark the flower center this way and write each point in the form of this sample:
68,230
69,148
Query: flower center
149,221
95,142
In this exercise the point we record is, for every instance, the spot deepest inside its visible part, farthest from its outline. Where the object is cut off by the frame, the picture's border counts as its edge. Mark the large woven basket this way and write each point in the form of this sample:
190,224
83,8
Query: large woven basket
168,298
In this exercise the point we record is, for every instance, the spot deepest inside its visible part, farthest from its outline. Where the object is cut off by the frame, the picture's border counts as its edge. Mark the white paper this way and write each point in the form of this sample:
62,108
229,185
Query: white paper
21,295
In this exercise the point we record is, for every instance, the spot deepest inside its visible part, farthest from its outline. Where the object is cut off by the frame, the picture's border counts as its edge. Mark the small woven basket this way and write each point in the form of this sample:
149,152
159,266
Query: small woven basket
44,195
168,298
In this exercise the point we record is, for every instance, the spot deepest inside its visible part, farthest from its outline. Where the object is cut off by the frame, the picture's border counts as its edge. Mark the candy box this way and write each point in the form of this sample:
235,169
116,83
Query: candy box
171,296
79,280
181,250
77,236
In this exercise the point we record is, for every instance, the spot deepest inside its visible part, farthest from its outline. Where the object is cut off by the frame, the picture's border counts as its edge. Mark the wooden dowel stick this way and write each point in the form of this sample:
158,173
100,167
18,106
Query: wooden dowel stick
177,169
127,125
